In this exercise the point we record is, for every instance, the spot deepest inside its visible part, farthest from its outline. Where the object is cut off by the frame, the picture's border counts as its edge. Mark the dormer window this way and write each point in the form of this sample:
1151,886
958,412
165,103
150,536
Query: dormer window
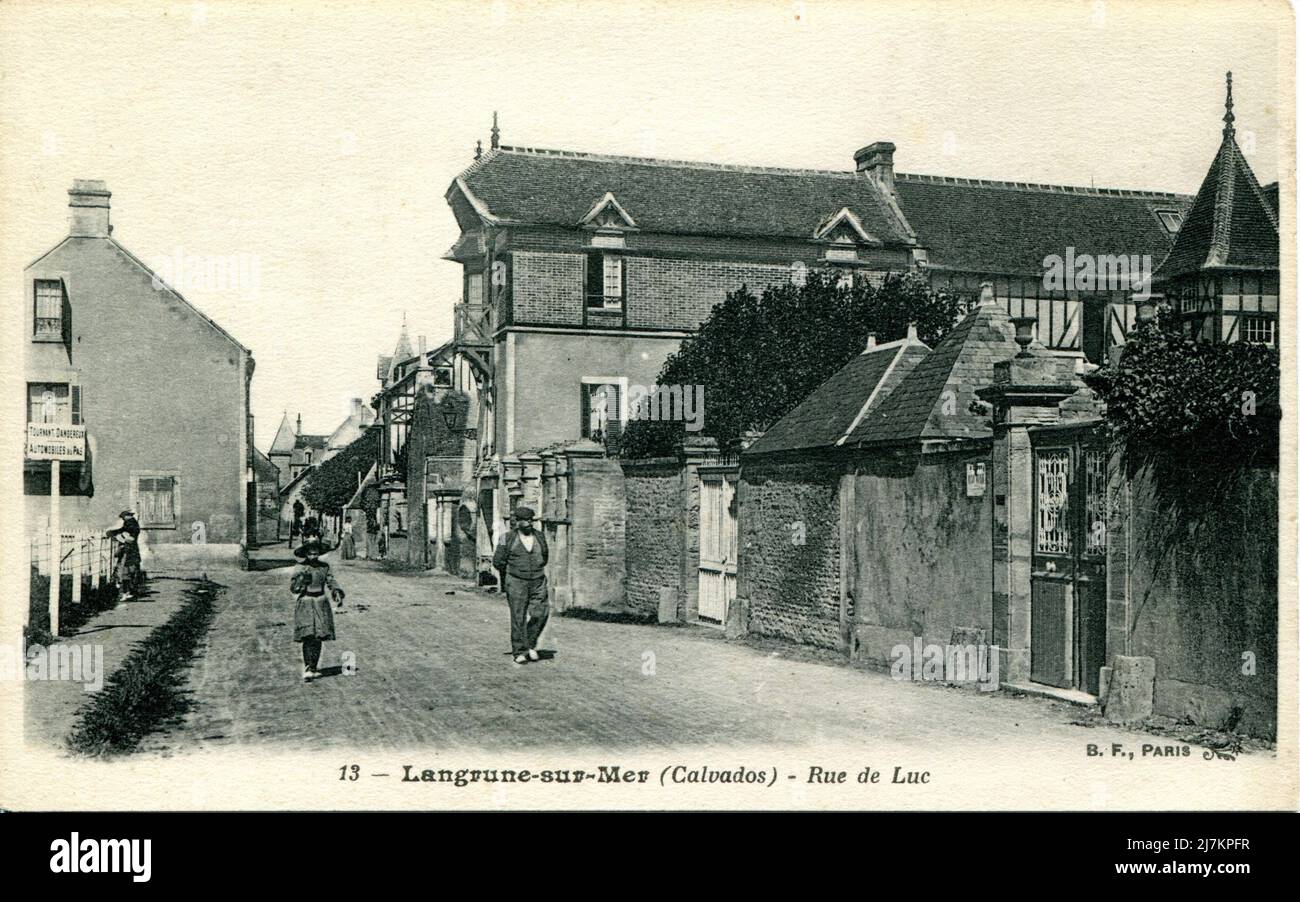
845,234
609,220
1172,220
48,322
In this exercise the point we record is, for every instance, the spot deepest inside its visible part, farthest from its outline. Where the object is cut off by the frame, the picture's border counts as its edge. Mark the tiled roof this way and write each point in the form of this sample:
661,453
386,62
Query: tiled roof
933,400
311,441
1009,227
1231,223
827,416
559,188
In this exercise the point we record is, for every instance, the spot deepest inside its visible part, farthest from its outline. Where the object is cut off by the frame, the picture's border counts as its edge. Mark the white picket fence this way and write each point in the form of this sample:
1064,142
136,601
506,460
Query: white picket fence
84,554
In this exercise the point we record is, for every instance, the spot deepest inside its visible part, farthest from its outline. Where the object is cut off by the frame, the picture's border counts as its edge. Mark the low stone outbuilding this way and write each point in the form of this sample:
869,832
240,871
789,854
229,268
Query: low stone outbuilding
864,518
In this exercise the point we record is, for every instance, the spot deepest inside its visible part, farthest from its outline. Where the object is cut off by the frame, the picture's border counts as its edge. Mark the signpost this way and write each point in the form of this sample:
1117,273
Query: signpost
55,442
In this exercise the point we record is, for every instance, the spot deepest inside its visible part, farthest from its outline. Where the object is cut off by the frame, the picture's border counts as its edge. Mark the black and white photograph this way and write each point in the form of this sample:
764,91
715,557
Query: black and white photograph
642,405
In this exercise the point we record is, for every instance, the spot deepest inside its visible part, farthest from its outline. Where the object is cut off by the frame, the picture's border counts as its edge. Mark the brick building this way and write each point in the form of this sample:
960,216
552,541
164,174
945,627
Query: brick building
583,272
162,390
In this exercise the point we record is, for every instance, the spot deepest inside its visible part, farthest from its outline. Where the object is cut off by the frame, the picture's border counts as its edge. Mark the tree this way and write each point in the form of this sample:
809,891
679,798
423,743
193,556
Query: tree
758,356
333,483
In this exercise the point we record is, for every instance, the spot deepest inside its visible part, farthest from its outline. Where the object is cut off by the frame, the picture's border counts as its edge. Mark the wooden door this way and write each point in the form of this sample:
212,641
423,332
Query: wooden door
717,547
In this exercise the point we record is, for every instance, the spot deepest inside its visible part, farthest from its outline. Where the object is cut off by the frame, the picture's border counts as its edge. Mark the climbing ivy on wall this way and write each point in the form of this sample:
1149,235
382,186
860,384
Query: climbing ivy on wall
1201,404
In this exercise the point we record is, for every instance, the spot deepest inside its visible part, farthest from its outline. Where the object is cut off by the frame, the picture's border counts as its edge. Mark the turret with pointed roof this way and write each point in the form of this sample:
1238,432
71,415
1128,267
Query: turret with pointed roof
285,437
403,350
1221,274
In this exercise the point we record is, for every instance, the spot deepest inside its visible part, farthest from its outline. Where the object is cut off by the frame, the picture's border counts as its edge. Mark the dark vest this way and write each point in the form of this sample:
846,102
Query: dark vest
522,563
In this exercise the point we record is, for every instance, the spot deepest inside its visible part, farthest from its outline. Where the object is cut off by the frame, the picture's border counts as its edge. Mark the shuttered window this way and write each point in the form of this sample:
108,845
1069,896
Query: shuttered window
606,281
155,500
601,412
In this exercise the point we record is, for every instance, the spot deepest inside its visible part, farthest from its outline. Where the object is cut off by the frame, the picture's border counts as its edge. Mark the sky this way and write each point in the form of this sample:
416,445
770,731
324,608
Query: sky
309,146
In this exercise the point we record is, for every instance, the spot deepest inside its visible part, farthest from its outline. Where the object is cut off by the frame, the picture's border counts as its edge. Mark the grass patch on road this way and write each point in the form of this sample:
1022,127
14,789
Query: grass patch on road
147,692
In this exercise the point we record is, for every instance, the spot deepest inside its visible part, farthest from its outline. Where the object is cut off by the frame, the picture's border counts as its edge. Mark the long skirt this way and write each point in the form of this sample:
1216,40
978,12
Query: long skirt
348,549
312,618
127,568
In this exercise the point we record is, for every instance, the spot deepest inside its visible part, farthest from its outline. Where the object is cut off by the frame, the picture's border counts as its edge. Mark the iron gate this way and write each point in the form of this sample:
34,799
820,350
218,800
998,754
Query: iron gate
1068,586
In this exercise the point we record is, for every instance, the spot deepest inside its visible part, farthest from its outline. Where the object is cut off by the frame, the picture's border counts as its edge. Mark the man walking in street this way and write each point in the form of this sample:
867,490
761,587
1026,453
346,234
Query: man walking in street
520,559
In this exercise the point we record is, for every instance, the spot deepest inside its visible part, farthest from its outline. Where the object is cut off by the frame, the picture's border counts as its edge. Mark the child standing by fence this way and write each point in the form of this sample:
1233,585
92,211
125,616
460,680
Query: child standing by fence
313,621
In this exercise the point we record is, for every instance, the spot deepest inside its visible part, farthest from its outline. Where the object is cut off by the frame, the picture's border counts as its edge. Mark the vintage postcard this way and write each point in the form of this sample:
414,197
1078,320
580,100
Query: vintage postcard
649,405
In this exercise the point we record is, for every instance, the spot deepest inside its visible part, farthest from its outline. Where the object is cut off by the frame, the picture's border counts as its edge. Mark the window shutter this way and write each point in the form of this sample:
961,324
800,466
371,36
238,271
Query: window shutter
67,317
614,426
76,405
595,279
584,409
622,279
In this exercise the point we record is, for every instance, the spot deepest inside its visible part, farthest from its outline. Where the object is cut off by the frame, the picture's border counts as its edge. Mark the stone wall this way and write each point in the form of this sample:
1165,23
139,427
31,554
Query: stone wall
1202,597
922,563
654,532
790,550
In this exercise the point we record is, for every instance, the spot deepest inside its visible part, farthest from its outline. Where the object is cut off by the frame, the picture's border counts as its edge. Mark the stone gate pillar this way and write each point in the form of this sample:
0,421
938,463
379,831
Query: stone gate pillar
596,530
1026,391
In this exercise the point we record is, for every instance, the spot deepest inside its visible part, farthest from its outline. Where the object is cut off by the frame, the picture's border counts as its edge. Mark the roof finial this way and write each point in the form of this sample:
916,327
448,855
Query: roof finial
478,150
496,132
1228,118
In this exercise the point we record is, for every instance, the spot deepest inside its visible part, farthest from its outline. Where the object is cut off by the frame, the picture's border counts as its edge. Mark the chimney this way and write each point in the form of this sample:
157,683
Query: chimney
88,209
419,339
871,340
356,406
877,161
299,429
911,331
